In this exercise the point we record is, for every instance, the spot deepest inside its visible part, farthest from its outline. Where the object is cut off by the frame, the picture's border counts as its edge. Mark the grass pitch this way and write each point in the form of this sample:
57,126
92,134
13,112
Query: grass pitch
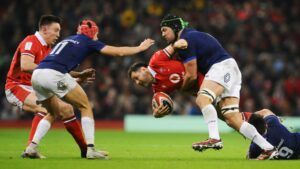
132,151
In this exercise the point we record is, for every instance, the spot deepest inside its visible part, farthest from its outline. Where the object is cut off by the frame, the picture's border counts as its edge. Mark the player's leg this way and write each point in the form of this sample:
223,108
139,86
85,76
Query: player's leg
230,111
72,125
24,97
52,106
30,105
206,96
220,77
79,99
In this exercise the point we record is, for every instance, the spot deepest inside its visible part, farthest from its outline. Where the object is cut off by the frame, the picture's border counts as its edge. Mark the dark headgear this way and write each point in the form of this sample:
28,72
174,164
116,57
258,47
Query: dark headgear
174,22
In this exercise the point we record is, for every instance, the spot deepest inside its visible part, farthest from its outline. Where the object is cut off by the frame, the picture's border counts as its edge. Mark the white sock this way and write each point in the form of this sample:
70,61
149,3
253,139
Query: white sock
251,133
211,119
41,130
88,127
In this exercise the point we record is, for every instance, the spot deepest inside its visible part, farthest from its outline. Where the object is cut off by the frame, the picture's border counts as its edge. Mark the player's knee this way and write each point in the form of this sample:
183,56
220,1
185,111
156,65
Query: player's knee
84,106
205,97
66,111
232,116
34,108
230,122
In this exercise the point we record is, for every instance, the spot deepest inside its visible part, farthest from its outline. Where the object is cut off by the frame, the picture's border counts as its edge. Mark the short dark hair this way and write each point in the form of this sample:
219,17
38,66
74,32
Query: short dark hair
258,122
48,19
135,67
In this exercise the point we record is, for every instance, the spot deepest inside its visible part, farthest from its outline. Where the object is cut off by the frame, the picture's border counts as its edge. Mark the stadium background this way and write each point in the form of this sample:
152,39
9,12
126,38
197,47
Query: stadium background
263,36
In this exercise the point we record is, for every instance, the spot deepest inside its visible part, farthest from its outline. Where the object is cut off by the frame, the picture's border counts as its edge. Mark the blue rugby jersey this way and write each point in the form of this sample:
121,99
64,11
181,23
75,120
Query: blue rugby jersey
277,134
203,47
70,52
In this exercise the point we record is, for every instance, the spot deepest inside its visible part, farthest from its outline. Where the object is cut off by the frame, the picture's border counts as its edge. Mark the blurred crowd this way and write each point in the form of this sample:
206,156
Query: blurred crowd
263,36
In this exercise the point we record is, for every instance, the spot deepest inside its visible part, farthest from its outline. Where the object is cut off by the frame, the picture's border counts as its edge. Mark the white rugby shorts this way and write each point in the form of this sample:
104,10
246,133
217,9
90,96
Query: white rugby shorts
49,82
227,74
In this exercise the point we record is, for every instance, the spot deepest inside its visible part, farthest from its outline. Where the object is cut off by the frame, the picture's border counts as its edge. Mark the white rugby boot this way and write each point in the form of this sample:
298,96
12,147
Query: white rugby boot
92,153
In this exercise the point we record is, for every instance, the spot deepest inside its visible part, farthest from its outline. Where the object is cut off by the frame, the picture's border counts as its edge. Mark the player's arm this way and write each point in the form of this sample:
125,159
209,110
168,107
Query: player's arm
179,44
27,63
125,51
190,77
85,76
191,73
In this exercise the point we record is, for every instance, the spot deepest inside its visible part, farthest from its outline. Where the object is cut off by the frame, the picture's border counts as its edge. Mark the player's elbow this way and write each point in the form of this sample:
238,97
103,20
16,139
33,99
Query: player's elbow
25,68
119,54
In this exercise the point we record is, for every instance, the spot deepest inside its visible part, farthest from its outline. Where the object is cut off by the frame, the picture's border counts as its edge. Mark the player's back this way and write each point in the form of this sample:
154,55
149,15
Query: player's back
168,73
32,46
70,52
204,47
277,134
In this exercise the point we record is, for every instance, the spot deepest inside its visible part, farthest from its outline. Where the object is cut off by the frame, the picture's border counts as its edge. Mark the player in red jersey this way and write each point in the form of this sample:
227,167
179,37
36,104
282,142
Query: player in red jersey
30,52
164,73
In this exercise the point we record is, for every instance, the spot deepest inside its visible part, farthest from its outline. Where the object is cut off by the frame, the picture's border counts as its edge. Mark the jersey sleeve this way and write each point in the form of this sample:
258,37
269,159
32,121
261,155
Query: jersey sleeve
29,47
189,53
96,45
254,151
272,120
157,57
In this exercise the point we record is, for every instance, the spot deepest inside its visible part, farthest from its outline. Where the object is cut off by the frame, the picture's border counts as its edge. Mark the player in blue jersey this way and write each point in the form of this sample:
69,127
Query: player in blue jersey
52,82
204,54
268,124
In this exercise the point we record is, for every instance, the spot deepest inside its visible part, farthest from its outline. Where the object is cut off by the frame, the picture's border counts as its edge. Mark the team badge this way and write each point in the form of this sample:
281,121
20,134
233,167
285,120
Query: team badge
61,85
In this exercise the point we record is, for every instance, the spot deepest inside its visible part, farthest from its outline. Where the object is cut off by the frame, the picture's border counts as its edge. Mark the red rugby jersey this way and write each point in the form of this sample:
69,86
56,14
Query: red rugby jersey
33,46
168,73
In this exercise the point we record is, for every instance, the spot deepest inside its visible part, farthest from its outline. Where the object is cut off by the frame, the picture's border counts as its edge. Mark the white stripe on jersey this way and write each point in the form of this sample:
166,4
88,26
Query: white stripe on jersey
29,54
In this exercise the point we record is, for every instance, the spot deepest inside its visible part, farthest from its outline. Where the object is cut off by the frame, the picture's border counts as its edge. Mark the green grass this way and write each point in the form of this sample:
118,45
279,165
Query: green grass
132,151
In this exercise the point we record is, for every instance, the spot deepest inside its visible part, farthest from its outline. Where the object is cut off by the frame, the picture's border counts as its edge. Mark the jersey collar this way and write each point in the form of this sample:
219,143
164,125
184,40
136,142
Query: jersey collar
40,38
153,73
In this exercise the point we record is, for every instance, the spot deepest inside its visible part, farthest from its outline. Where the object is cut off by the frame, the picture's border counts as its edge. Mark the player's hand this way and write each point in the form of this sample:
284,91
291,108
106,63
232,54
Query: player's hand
146,44
161,111
87,76
180,44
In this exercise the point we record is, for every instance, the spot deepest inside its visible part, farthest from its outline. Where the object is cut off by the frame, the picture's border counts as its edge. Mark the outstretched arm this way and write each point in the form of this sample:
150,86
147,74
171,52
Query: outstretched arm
125,51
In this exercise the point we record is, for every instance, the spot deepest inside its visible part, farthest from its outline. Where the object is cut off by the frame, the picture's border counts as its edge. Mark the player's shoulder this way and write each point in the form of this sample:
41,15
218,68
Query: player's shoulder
30,43
158,57
272,120
190,32
30,38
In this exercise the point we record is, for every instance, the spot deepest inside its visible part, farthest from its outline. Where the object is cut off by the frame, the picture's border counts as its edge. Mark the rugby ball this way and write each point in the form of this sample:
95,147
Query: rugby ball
162,98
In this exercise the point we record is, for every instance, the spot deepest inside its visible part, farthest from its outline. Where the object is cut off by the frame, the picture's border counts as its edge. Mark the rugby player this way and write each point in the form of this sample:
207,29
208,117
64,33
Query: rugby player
52,82
222,78
270,127
30,52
